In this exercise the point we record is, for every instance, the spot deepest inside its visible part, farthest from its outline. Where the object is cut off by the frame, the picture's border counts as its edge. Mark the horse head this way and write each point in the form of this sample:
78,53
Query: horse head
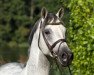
52,39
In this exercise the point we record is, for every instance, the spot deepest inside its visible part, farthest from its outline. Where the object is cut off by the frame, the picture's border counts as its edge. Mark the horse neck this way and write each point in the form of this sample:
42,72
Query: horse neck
37,63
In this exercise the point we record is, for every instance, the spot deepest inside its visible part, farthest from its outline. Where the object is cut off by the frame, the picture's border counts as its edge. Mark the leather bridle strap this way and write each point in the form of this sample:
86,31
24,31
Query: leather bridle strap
69,70
50,47
60,40
55,23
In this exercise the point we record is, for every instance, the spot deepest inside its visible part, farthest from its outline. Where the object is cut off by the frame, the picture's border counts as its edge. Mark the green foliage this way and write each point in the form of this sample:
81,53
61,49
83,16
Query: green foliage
81,35
16,17
14,28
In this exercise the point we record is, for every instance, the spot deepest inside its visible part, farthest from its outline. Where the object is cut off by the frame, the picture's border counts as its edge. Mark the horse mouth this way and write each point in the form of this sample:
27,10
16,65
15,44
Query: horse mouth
65,60
64,63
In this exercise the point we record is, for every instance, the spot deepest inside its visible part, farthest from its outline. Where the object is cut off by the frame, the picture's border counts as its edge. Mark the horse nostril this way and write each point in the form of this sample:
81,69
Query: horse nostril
64,56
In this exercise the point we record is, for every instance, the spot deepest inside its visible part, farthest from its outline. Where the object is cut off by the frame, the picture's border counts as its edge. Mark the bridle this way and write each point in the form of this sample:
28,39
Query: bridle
50,47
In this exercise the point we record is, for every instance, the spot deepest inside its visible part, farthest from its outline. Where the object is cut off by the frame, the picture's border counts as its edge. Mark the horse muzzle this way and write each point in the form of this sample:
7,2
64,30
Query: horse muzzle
65,58
63,54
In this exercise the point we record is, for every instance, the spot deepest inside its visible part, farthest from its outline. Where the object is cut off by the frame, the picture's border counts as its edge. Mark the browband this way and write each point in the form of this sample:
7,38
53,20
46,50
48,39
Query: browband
58,23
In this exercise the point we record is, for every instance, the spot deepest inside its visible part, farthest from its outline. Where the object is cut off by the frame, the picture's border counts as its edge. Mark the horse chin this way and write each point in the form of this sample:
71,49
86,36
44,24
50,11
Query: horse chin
64,63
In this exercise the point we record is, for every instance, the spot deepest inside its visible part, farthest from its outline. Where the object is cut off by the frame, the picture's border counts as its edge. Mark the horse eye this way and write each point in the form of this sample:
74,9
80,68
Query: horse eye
47,32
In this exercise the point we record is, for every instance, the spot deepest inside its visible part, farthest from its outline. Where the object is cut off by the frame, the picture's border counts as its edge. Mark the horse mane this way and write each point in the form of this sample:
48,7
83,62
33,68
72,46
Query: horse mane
32,32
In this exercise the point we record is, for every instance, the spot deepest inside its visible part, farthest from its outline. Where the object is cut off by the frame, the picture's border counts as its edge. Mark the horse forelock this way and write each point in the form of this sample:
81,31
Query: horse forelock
52,19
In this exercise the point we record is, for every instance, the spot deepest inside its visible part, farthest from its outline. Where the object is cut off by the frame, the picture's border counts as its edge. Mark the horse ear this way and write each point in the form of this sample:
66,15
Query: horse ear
44,12
60,13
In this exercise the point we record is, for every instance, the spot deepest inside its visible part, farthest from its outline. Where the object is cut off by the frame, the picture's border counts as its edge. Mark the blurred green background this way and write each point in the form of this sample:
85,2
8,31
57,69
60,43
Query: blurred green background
17,18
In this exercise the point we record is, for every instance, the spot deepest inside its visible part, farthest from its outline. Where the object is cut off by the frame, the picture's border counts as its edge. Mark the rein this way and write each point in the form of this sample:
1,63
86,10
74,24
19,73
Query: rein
69,70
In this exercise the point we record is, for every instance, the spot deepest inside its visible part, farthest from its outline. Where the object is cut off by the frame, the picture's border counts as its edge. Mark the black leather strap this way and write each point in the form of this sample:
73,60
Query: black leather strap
50,47
60,40
58,23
